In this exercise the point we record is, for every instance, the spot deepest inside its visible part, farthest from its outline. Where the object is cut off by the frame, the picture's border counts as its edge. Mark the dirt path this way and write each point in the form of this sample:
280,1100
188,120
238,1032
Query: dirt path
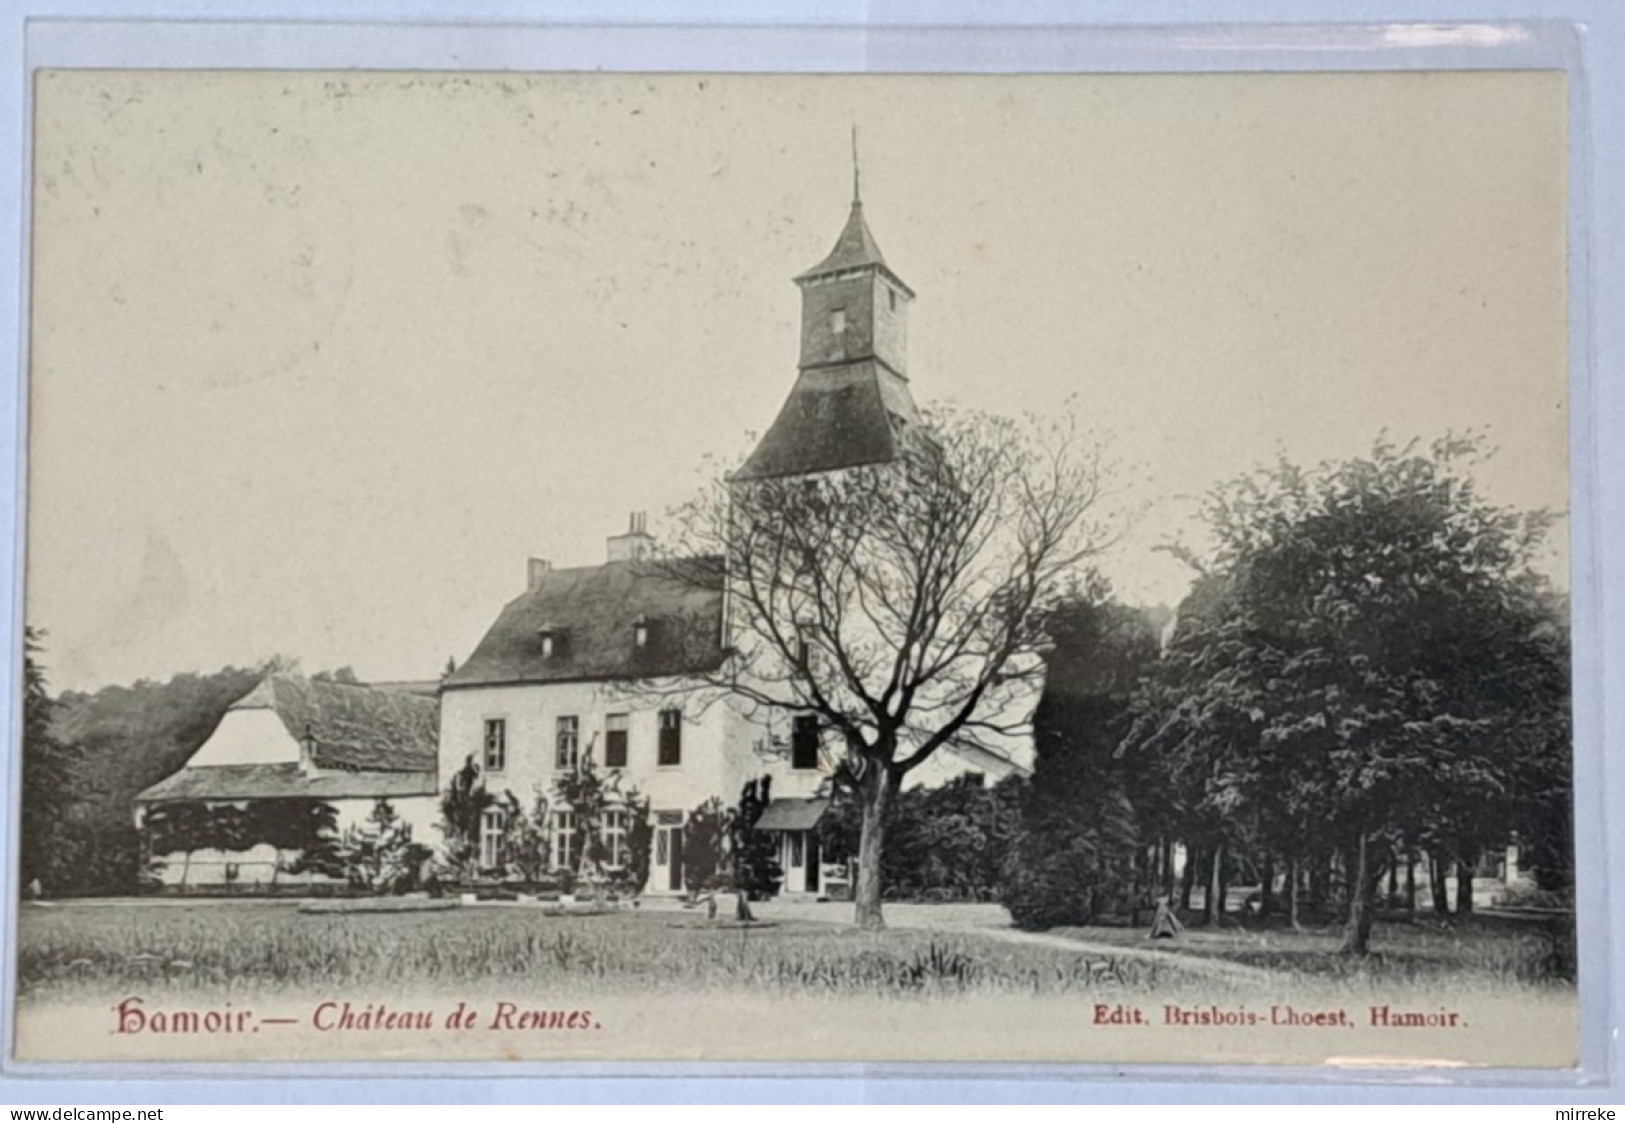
994,922
1196,964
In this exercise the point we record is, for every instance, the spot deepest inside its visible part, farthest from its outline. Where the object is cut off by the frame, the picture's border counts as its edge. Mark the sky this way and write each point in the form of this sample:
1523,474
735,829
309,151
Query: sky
317,361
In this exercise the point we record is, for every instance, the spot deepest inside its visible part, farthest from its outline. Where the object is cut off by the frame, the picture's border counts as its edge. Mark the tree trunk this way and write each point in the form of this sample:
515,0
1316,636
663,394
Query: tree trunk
1464,887
1266,896
877,788
1167,866
1292,892
1187,879
1410,882
1439,890
1393,881
1357,932
1212,906
742,911
1136,864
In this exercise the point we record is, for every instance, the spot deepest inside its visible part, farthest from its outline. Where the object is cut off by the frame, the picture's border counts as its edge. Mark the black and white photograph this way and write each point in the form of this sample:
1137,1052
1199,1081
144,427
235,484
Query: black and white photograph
546,567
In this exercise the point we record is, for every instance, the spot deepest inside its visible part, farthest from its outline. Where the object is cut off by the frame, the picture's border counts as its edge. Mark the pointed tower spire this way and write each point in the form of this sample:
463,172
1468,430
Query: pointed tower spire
857,195
851,399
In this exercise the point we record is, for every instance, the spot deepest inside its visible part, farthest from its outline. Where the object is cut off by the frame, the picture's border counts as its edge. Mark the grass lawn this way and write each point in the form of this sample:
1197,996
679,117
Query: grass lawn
795,987
252,946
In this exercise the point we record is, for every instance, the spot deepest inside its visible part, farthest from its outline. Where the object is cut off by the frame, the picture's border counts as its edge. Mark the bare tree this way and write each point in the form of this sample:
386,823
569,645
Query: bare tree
901,603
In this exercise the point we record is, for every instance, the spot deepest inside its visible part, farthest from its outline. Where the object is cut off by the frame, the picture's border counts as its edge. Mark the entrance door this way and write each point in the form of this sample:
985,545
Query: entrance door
668,859
813,857
676,877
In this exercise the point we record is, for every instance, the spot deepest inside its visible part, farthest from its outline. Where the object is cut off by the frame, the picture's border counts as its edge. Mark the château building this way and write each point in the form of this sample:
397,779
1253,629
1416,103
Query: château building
566,670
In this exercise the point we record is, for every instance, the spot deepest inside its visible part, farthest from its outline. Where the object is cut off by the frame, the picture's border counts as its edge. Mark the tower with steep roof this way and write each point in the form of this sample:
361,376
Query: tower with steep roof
851,400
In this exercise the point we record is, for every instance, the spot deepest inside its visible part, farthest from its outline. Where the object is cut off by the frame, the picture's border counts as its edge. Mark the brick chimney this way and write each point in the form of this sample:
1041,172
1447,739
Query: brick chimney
535,572
637,543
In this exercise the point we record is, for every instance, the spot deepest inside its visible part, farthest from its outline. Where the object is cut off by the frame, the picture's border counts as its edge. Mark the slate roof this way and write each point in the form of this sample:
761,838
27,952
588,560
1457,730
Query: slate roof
833,419
592,612
854,249
791,815
360,728
234,782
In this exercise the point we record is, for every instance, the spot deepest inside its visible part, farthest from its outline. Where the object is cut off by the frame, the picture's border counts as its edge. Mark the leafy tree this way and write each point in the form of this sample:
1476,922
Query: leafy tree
945,843
304,832
48,767
341,675
705,847
722,850
526,843
380,857
1377,660
640,837
587,795
901,603
1077,853
187,826
120,740
755,854
462,817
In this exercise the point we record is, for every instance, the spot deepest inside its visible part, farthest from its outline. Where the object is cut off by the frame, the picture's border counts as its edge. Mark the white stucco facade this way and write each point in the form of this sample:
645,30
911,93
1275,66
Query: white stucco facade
247,737
525,737
359,745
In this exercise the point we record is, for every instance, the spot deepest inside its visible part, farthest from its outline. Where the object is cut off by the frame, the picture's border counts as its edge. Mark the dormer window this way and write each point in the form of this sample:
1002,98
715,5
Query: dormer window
553,641
640,632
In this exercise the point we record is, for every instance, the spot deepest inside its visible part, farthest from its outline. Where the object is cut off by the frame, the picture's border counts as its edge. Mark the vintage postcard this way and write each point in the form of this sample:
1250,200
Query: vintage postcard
576,567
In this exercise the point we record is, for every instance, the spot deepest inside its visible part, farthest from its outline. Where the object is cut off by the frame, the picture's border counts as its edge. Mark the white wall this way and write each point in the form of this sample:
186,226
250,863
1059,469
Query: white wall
247,737
716,754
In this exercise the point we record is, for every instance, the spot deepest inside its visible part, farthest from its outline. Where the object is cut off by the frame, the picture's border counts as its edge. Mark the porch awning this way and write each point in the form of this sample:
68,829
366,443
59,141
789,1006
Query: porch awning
792,814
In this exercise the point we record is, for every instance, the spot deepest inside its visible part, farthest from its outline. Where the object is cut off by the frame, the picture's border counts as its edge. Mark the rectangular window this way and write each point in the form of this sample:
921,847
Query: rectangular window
496,744
491,824
568,755
837,321
671,738
891,300
615,740
615,838
804,742
563,851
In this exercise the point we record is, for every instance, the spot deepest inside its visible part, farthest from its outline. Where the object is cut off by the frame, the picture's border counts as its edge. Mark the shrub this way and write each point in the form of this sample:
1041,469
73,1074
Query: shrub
380,857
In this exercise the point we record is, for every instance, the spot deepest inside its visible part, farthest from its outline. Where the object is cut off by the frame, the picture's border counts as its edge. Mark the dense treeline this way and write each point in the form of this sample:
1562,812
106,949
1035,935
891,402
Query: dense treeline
87,755
1368,674
947,843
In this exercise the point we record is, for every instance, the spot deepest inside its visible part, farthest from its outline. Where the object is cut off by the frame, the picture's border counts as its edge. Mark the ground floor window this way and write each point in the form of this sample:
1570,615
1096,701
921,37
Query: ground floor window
491,824
615,823
563,840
